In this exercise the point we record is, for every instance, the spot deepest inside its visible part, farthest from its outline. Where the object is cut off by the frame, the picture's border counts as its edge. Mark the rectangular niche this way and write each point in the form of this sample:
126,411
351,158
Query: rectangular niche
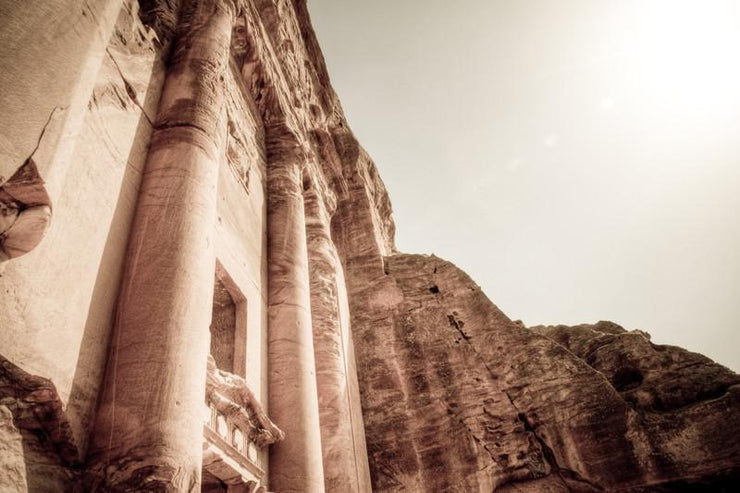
228,324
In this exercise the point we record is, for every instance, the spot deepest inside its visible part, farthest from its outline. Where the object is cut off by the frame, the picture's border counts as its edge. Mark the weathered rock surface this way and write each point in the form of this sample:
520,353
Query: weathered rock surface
205,134
687,405
37,449
458,397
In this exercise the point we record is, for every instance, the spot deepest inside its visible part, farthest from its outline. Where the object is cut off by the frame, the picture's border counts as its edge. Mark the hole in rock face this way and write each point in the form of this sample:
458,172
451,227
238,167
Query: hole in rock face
434,289
627,378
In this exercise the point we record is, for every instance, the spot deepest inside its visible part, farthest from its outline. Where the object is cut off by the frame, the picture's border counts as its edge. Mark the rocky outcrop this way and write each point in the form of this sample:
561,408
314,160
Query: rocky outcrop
205,135
685,404
25,212
458,397
649,377
37,448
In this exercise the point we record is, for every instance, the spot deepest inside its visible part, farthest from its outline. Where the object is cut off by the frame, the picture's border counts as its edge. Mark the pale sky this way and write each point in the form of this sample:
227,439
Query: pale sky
579,159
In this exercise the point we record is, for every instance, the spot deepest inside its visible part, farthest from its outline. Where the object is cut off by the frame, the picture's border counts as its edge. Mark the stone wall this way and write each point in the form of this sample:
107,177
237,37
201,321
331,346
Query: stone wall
59,298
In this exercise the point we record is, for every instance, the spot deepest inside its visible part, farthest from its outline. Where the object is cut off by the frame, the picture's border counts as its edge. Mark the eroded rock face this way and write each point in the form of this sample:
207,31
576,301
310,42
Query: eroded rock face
25,212
458,397
37,449
686,405
12,465
652,378
180,126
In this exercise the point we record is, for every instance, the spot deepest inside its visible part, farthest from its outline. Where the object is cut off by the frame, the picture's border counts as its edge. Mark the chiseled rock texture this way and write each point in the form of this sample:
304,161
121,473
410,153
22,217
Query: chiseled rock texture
387,371
457,397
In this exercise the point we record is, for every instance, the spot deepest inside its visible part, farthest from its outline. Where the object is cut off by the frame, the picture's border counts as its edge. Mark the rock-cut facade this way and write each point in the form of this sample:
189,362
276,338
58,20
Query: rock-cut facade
200,291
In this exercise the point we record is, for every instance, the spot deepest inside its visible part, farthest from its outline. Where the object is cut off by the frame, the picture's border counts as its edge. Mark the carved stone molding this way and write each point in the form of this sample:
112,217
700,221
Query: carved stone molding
231,397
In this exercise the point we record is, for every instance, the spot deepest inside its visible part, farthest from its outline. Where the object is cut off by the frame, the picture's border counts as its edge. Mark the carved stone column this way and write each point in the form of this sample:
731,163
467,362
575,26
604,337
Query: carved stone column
340,413
149,429
295,463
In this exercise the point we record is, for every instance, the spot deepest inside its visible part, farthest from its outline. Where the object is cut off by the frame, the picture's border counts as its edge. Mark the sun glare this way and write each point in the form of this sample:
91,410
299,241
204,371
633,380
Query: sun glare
686,53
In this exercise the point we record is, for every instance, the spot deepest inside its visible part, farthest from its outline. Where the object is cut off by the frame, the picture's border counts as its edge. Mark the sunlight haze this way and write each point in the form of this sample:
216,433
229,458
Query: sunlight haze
579,159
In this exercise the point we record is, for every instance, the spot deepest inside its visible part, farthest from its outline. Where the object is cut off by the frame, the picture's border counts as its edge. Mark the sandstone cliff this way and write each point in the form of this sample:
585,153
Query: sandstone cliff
386,371
458,397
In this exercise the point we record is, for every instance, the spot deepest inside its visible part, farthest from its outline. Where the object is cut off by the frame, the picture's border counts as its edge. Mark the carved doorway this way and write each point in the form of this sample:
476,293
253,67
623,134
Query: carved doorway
228,324
233,432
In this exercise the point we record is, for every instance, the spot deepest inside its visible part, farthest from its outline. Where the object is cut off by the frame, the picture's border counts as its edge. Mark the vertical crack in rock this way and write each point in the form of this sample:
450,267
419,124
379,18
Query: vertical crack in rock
458,325
129,88
547,451
40,138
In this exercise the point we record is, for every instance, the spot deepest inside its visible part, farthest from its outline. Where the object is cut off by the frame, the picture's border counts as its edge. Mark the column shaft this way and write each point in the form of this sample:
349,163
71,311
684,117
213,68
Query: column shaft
295,463
150,420
345,467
